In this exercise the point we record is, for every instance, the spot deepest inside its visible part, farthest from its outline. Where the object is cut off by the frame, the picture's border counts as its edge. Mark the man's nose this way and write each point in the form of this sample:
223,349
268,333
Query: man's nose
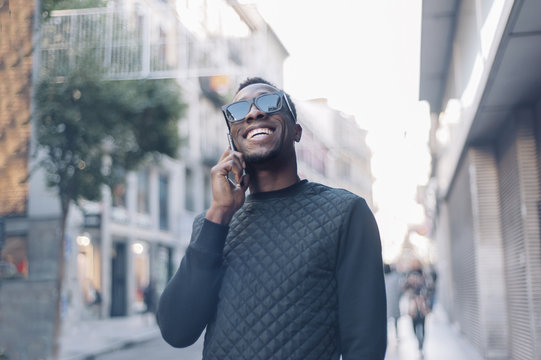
254,113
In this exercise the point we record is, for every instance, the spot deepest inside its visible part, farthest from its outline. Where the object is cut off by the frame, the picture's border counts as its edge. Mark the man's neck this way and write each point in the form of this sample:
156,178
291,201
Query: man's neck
264,181
276,175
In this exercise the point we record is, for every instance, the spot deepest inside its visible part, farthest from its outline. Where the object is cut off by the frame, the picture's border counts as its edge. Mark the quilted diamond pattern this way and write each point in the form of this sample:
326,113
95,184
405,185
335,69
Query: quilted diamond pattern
278,296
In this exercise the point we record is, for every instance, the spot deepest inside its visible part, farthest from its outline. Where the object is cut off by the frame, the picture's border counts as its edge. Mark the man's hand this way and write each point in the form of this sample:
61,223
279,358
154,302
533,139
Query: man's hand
227,197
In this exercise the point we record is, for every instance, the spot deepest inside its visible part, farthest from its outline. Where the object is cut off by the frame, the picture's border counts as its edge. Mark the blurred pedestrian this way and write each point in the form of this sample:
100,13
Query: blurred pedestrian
93,298
418,309
291,271
393,290
150,297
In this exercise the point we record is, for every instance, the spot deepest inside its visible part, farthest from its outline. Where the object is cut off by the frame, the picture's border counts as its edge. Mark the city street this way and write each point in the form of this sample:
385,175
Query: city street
420,149
156,349
443,342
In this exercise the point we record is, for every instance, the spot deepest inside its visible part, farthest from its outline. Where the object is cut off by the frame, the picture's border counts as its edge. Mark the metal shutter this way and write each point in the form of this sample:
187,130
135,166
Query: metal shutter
463,256
519,194
489,249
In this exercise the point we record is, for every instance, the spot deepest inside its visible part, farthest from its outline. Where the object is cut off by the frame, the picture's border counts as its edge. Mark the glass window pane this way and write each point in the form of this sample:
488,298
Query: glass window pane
141,267
119,189
142,191
189,191
163,202
13,258
208,191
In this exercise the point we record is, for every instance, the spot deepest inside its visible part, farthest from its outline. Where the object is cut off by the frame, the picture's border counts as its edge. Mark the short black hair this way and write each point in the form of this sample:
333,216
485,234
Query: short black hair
260,80
254,80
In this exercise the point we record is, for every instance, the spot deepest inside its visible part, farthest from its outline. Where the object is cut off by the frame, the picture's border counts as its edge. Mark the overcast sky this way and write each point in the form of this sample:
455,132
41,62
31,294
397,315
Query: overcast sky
363,56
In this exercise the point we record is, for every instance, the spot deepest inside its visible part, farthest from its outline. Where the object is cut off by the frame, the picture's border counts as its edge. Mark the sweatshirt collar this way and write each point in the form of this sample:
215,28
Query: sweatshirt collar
285,192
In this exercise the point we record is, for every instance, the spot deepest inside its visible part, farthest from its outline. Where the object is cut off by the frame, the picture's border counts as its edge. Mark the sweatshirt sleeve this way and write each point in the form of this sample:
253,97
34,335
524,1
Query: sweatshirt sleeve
189,299
361,288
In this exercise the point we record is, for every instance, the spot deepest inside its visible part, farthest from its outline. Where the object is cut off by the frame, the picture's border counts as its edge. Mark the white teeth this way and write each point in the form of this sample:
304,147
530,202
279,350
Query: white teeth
259,131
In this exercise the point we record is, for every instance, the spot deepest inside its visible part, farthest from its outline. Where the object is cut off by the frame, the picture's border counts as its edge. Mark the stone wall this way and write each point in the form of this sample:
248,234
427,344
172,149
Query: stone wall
28,306
27,319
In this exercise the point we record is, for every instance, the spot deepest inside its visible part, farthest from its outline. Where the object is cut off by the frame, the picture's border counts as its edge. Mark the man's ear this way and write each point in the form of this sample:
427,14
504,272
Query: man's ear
298,132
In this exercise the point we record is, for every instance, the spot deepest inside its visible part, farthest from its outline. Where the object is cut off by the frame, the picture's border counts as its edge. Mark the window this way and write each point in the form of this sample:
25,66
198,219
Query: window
163,268
142,192
141,272
13,258
163,202
88,270
208,191
119,193
189,202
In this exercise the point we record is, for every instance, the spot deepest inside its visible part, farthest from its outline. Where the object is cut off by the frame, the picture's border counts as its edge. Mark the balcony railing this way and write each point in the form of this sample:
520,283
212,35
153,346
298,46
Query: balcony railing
141,42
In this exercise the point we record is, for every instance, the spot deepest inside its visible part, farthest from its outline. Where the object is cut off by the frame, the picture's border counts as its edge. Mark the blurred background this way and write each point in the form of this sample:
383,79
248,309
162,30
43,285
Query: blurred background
110,122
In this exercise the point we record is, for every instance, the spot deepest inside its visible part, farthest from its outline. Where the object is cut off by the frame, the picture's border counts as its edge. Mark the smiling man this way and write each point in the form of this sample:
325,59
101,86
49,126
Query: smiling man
291,271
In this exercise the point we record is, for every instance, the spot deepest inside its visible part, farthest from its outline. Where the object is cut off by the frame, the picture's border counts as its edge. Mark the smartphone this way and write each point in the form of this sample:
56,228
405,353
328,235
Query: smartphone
230,176
229,137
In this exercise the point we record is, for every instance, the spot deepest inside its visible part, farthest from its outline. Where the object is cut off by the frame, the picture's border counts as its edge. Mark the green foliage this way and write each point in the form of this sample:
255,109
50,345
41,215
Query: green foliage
150,100
87,126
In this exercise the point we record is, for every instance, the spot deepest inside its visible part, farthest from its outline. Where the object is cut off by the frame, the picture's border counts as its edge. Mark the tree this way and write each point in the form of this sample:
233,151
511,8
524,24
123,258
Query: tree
86,125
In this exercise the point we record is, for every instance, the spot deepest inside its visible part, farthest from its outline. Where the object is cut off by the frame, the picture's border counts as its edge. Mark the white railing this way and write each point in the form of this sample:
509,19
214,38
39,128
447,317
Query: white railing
142,42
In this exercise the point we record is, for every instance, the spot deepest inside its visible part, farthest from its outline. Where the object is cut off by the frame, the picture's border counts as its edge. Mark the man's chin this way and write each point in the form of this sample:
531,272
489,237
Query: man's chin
260,158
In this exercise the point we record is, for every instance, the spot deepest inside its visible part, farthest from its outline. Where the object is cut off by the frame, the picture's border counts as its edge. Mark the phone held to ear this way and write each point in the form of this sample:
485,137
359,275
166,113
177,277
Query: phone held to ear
230,176
230,139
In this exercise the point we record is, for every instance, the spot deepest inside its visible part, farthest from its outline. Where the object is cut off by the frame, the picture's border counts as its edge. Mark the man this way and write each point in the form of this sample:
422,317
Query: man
291,271
415,286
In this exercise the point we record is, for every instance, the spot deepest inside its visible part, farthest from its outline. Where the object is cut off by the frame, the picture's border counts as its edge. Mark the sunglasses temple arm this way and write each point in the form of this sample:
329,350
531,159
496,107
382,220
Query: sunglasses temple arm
289,108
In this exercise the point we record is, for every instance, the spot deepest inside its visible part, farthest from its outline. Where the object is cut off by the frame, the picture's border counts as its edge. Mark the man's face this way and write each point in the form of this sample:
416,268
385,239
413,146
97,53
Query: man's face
261,136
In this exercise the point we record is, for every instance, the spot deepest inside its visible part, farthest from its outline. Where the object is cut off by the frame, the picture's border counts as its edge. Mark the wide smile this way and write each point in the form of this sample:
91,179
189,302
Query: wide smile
259,133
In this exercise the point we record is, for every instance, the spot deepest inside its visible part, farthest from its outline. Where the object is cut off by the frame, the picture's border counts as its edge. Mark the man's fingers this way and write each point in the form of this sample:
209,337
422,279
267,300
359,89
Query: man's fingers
231,163
228,152
235,164
237,170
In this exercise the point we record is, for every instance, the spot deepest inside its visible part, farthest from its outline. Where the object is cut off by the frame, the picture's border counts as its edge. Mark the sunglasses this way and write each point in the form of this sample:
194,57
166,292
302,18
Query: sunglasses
268,103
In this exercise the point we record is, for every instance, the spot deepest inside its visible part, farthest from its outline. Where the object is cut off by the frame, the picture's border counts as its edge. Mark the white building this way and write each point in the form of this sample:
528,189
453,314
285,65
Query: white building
333,149
142,227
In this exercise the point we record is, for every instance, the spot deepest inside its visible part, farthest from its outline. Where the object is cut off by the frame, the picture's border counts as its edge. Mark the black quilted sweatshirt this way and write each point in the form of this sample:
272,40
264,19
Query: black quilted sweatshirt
297,274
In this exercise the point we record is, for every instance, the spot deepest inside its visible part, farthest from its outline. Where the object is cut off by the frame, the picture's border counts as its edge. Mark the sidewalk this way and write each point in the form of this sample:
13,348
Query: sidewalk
443,341
88,339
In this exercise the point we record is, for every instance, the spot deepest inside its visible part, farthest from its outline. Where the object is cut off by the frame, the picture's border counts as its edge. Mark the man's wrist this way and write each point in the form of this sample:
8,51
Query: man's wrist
219,215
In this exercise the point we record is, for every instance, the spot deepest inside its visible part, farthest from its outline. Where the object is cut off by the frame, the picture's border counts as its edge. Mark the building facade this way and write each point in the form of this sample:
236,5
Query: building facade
136,235
480,75
333,149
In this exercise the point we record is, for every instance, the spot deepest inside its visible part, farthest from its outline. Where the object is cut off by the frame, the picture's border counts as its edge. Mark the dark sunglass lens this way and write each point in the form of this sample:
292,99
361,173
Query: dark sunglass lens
269,103
238,110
